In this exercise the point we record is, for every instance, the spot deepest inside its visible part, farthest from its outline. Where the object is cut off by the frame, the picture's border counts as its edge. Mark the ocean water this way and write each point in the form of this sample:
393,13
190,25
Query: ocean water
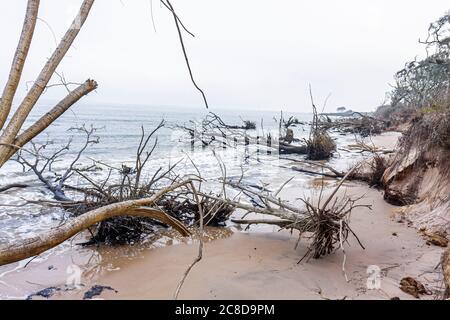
119,133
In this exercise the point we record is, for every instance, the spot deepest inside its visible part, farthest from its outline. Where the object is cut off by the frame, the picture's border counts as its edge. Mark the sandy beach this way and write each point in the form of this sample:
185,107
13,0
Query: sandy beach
253,264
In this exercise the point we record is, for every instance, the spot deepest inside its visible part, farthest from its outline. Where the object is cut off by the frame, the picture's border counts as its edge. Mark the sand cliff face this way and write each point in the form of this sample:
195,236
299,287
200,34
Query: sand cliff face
418,179
419,176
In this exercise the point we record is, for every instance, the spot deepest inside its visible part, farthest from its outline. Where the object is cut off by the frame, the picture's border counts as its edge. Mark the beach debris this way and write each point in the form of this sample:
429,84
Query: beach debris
320,145
124,206
44,293
413,287
356,123
96,291
143,207
214,121
121,184
445,263
291,122
180,28
41,161
13,186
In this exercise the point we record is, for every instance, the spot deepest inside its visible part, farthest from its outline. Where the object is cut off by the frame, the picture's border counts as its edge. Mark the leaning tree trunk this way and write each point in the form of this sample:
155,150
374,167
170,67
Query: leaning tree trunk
9,141
446,271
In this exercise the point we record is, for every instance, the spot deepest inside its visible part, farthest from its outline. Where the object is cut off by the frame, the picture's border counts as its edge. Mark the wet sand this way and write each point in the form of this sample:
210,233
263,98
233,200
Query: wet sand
256,264
264,265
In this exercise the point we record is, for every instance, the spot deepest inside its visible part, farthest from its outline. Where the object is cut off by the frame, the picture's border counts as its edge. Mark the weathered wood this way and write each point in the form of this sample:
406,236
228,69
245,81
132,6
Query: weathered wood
446,271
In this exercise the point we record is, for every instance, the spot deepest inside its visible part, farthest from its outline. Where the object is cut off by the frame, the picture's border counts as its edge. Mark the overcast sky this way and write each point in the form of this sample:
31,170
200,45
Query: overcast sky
246,53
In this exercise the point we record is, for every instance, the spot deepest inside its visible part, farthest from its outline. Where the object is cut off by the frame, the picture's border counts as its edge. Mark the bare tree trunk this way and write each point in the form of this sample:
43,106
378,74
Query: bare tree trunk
19,60
9,134
31,247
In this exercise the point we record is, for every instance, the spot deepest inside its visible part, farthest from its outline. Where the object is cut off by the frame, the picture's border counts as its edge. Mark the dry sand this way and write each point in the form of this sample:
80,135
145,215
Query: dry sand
248,265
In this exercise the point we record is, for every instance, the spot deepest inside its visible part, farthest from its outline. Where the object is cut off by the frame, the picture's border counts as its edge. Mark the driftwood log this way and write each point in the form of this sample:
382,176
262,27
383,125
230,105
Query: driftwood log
27,248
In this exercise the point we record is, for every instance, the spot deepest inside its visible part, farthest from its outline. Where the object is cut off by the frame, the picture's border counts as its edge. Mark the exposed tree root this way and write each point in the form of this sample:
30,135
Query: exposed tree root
27,248
327,222
11,140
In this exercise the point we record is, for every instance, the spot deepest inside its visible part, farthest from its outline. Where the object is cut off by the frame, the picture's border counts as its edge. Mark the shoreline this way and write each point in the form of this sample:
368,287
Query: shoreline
248,265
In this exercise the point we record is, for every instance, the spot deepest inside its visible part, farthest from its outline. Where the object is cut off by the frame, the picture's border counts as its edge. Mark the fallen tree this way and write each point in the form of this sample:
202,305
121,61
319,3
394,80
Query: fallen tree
421,83
145,207
319,145
358,123
212,130
370,170
327,221
125,183
41,164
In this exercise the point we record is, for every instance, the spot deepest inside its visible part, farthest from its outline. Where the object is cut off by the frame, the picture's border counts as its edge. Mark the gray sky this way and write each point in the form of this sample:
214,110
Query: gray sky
246,54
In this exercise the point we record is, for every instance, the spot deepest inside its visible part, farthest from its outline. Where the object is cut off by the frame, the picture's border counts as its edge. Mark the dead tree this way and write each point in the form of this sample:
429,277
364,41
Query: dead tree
11,140
41,164
358,123
122,183
13,186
